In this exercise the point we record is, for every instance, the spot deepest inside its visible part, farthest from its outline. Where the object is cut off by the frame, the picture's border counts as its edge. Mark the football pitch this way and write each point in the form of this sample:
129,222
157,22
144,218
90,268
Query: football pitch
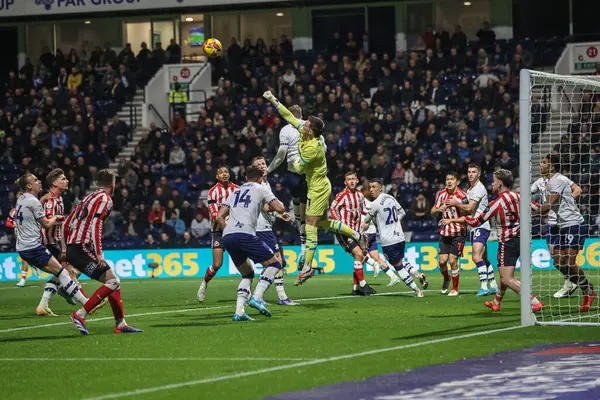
194,351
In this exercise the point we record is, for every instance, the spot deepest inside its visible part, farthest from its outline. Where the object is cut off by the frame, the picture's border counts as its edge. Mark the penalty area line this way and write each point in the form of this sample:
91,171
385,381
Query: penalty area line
187,310
295,365
157,359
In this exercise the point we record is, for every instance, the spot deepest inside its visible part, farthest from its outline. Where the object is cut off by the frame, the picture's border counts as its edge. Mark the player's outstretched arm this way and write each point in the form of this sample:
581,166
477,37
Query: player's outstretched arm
283,111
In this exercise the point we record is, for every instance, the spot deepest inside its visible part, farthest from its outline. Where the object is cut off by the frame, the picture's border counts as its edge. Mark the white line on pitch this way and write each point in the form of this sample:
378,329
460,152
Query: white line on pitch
295,365
159,359
186,310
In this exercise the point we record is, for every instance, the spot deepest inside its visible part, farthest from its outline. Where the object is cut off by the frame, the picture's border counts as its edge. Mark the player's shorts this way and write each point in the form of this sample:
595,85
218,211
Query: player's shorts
572,237
216,241
347,243
509,252
82,258
317,201
479,235
552,235
297,185
372,238
394,253
54,250
37,257
270,240
242,246
452,245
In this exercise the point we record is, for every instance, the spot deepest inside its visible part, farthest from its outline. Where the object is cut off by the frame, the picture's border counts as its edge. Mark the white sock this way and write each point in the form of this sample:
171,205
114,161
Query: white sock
411,269
243,293
372,263
50,290
266,280
482,271
410,282
491,277
281,295
389,269
302,241
70,287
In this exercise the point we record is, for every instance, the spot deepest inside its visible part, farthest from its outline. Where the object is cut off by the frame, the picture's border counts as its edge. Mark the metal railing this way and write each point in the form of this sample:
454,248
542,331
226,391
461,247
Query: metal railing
152,108
133,114
194,110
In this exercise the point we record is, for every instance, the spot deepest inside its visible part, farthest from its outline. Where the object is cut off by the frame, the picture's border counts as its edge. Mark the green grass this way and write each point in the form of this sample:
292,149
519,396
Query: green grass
328,324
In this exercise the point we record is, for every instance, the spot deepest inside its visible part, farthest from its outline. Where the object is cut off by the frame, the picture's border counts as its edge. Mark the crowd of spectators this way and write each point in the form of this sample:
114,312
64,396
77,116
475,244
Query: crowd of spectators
407,117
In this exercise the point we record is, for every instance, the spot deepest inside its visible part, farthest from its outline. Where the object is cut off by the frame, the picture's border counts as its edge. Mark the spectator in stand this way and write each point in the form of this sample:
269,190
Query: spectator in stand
420,207
200,226
173,53
176,225
150,243
75,79
189,242
156,216
486,35
178,126
177,157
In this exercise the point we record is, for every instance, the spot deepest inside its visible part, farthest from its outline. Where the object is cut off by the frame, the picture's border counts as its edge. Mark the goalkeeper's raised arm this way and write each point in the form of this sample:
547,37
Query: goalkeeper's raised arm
283,111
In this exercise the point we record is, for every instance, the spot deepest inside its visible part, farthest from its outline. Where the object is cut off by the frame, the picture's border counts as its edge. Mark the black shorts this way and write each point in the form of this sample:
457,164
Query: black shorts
452,245
297,185
216,240
347,243
509,252
54,250
83,259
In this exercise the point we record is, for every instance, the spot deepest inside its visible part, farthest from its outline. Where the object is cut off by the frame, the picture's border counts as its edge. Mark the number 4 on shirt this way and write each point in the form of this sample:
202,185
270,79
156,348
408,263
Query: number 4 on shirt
242,197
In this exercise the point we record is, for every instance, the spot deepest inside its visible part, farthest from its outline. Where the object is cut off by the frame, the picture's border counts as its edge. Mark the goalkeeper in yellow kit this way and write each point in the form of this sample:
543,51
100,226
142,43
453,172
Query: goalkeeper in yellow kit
312,163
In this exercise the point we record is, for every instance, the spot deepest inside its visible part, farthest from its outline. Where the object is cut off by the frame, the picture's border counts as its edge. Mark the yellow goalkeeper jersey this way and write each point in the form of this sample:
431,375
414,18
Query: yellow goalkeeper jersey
314,163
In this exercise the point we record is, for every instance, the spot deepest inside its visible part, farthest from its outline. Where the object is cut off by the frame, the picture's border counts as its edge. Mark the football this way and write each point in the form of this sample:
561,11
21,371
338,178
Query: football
212,48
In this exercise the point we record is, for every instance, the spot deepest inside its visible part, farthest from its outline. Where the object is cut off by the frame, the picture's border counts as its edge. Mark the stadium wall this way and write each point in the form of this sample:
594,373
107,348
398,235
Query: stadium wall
191,263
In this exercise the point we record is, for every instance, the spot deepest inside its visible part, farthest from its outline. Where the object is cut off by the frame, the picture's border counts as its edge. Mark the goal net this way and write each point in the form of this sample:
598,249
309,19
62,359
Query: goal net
559,116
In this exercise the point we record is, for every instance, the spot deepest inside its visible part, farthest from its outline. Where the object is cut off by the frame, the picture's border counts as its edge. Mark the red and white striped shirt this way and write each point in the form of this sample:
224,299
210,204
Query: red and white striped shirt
52,206
217,196
453,229
84,224
506,209
348,207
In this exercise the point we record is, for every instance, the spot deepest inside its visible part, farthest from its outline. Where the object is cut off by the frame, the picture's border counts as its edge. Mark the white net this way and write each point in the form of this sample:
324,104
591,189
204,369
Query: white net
563,127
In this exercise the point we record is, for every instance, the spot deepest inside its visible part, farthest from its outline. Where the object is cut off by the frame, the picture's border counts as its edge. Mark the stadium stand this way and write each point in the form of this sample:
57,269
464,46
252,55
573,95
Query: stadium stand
408,118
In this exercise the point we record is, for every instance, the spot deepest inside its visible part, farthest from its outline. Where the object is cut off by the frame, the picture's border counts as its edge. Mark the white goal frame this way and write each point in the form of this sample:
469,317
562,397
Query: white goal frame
527,82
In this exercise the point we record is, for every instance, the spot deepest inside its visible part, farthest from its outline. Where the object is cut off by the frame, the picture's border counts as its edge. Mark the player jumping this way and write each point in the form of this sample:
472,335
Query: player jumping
312,162
83,233
452,236
30,219
53,205
348,208
241,242
217,196
477,197
506,208
572,230
387,214
264,230
289,137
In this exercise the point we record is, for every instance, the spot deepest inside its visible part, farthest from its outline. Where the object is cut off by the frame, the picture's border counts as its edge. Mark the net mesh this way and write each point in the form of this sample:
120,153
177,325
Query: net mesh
565,121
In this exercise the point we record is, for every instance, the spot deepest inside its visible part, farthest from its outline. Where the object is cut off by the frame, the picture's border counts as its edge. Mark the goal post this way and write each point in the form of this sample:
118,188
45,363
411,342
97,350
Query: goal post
525,92
555,117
